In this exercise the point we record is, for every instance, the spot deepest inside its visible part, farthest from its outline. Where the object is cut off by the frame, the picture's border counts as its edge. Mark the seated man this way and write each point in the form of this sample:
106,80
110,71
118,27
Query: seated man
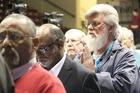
74,43
17,34
75,77
116,66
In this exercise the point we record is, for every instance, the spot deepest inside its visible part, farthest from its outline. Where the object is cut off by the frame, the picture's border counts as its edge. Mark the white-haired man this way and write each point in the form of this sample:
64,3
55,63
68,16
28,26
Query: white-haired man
74,43
126,38
116,66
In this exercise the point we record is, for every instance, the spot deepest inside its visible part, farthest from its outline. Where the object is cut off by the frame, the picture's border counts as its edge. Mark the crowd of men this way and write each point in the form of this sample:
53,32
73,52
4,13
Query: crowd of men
48,61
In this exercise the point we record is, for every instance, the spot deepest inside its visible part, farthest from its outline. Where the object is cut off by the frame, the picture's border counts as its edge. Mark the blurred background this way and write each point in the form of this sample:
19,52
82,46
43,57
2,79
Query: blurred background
65,13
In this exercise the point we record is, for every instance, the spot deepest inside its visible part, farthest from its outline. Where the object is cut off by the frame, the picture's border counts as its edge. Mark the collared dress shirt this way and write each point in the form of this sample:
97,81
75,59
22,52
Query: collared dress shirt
56,69
20,71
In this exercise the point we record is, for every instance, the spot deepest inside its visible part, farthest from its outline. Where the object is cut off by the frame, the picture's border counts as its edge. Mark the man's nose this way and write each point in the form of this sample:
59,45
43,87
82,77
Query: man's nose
7,42
90,27
69,43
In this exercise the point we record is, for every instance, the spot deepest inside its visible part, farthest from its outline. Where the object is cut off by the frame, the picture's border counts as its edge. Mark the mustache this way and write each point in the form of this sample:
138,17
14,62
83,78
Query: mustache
7,51
10,54
92,33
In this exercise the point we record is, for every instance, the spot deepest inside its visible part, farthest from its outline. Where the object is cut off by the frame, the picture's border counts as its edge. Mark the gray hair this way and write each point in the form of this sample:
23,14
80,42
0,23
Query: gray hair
77,32
125,33
56,32
29,23
110,15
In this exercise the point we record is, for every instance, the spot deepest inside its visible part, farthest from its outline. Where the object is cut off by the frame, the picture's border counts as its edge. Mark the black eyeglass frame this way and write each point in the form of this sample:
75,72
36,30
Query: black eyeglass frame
46,47
13,36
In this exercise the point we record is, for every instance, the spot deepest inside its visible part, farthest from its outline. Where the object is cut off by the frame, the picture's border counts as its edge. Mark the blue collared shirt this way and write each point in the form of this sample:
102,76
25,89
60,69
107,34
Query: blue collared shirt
20,71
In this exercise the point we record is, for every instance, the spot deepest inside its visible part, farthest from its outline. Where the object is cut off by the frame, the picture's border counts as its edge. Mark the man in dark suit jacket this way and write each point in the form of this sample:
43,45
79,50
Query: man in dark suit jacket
75,77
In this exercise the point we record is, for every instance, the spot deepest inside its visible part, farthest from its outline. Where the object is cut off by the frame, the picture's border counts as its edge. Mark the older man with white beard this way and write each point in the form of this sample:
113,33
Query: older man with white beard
115,65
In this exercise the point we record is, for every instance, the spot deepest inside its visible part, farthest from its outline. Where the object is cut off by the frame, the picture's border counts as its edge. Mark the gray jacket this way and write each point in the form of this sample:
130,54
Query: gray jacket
118,72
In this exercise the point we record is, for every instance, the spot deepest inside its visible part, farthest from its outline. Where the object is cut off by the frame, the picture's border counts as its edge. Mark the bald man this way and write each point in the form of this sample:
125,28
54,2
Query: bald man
17,42
75,77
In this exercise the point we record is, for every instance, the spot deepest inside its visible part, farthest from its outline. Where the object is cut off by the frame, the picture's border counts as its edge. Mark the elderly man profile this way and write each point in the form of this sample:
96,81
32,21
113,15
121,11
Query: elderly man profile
126,38
74,43
115,65
75,77
17,46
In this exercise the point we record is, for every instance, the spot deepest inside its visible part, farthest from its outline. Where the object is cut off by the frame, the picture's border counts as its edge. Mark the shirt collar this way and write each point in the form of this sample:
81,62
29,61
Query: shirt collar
77,57
20,71
56,69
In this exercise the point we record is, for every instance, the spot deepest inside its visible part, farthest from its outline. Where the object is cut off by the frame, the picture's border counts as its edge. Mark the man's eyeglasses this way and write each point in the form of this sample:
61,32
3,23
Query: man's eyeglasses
46,47
93,24
13,36
73,41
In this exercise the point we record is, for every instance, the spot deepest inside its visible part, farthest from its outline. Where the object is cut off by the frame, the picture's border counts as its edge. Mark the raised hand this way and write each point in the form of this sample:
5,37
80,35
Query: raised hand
86,59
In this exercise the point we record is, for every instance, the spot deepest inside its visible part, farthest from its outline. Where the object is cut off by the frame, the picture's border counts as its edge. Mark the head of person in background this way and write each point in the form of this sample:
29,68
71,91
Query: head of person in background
126,38
102,27
51,41
135,12
74,42
16,40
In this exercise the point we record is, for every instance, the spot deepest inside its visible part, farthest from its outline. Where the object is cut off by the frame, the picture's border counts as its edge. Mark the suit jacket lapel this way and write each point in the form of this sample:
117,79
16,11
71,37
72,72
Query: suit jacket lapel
66,71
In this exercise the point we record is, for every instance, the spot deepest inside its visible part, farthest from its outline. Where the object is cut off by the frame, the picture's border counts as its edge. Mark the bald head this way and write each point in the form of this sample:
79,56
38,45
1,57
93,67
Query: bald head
55,32
44,29
19,21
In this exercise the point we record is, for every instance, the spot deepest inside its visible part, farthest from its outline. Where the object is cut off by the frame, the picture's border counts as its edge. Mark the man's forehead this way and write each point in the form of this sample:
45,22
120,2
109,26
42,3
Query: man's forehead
44,41
73,38
74,35
12,24
99,16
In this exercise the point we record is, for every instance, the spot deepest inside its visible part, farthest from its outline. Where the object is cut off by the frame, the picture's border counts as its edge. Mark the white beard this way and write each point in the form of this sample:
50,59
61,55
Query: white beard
96,42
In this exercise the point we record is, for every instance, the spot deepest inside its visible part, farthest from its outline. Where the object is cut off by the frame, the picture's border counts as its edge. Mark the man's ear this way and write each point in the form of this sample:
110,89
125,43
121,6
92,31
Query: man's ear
132,42
111,28
36,43
60,43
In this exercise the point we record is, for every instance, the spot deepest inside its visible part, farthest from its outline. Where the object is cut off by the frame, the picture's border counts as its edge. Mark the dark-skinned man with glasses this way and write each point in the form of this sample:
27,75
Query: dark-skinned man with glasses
17,46
75,77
